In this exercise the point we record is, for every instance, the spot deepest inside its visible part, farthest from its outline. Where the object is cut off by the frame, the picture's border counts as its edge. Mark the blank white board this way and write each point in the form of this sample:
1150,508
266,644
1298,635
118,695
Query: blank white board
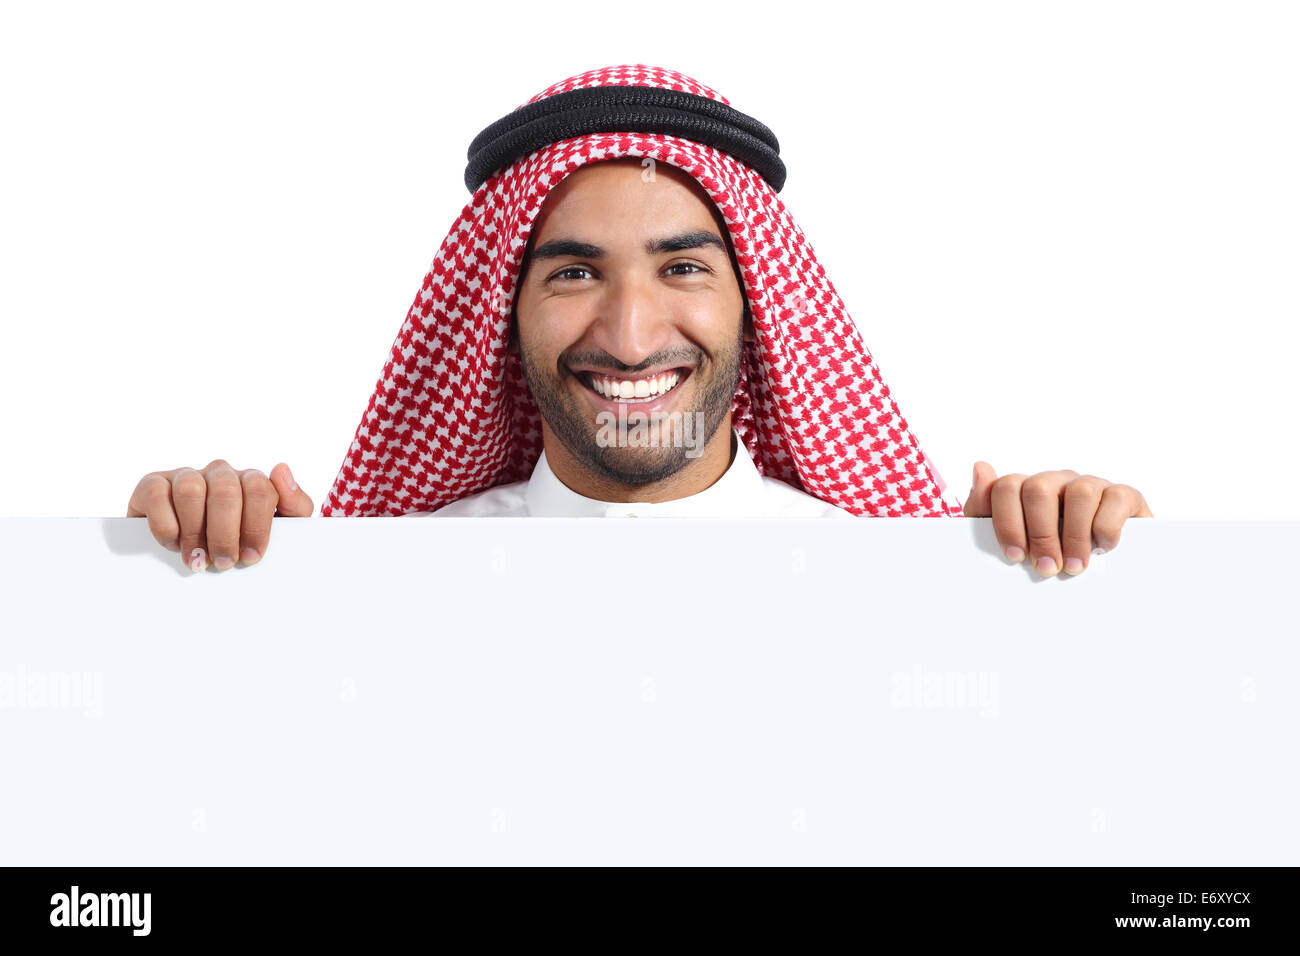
586,691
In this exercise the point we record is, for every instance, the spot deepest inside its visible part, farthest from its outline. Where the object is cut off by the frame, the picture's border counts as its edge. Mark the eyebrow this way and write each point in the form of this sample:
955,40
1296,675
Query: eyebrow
697,239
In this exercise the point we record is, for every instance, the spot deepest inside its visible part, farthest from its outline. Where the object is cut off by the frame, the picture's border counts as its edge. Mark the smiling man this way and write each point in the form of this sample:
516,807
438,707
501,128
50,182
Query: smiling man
625,320
634,321
639,313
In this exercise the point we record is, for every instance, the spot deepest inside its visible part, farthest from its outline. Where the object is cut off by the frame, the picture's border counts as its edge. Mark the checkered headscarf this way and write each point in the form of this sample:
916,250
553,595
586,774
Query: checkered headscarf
452,414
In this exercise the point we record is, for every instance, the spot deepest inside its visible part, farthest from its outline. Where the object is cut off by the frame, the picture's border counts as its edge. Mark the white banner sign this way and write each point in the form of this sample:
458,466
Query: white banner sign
565,691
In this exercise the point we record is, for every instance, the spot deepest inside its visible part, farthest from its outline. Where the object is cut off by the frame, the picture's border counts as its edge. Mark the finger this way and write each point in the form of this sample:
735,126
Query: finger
189,498
1008,517
1040,496
294,502
1082,496
1118,504
260,498
225,504
978,502
152,500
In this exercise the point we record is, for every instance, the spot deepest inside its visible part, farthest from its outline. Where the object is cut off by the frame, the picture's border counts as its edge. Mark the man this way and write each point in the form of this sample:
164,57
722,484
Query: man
624,321
650,296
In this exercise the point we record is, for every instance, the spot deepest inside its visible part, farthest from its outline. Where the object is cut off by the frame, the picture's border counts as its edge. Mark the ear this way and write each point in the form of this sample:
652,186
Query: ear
750,335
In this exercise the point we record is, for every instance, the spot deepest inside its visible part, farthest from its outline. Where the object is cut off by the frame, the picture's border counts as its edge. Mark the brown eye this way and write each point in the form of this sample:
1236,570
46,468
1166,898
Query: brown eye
690,265
564,272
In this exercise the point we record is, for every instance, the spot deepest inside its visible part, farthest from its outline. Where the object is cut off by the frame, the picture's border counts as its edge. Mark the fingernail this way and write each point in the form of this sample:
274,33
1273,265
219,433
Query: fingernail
223,562
1015,555
1105,544
1073,565
250,556
198,559
173,545
288,480
1046,565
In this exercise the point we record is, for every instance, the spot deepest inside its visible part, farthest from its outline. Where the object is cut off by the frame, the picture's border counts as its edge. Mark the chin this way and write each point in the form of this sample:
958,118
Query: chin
638,465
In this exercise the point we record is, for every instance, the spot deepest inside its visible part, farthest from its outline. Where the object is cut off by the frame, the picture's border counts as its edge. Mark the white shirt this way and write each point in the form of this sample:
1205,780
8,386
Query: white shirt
741,492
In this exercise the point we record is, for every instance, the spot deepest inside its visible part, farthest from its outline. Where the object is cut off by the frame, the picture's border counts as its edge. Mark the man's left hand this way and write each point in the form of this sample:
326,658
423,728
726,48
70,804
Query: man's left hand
1053,515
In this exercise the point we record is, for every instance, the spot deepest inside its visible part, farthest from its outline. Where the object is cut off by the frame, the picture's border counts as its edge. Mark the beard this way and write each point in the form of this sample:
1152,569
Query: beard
575,425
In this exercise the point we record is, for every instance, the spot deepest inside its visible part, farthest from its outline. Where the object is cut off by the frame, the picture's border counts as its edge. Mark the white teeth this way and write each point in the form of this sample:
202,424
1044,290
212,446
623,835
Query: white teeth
642,388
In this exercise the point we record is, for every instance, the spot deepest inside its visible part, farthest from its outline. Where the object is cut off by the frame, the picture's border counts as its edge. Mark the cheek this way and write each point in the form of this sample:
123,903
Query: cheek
542,328
715,324
555,326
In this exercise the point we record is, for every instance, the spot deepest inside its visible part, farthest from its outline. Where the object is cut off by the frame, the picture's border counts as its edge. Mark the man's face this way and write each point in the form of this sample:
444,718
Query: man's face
629,280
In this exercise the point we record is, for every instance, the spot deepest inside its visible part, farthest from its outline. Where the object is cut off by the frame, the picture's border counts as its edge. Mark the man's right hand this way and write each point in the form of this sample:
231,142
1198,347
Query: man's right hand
218,514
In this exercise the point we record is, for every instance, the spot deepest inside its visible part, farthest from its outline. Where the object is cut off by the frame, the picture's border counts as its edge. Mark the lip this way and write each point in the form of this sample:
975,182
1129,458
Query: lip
603,404
648,373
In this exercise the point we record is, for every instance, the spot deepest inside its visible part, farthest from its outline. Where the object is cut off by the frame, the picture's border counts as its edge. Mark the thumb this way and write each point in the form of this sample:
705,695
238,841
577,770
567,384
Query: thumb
980,502
294,502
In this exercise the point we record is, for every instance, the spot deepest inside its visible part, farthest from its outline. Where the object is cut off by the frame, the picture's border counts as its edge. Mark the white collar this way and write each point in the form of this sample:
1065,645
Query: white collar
738,493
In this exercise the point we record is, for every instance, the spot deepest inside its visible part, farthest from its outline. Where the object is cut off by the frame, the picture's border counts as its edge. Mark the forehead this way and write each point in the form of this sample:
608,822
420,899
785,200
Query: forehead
619,196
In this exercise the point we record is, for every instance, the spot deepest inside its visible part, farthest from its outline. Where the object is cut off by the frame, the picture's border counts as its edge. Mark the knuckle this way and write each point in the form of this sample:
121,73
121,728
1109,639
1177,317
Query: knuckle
1005,502
224,487
155,491
224,540
222,495
1007,528
1086,486
1077,543
258,489
1036,487
256,526
1043,542
1108,527
189,484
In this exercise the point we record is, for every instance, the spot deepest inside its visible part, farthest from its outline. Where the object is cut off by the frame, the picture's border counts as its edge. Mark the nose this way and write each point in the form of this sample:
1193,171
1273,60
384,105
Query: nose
632,321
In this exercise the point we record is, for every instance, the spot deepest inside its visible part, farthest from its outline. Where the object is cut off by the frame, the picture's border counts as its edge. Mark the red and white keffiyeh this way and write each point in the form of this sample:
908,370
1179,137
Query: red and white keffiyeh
452,414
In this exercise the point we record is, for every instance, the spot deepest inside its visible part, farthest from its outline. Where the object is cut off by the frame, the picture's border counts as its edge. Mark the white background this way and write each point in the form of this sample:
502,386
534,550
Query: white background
1068,231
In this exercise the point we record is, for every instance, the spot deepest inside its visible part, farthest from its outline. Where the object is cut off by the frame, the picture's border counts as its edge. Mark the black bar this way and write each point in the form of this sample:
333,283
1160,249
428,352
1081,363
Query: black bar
370,906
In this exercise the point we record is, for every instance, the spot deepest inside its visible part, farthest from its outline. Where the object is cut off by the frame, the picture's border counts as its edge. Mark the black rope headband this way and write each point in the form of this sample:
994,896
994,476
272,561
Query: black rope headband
624,109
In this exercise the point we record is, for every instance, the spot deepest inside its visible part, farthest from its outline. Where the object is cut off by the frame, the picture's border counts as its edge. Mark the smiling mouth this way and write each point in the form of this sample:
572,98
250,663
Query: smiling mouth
634,391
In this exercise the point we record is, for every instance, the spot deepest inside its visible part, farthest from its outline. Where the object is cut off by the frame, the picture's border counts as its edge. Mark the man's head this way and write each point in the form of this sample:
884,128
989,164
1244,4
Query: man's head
629,273
457,411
